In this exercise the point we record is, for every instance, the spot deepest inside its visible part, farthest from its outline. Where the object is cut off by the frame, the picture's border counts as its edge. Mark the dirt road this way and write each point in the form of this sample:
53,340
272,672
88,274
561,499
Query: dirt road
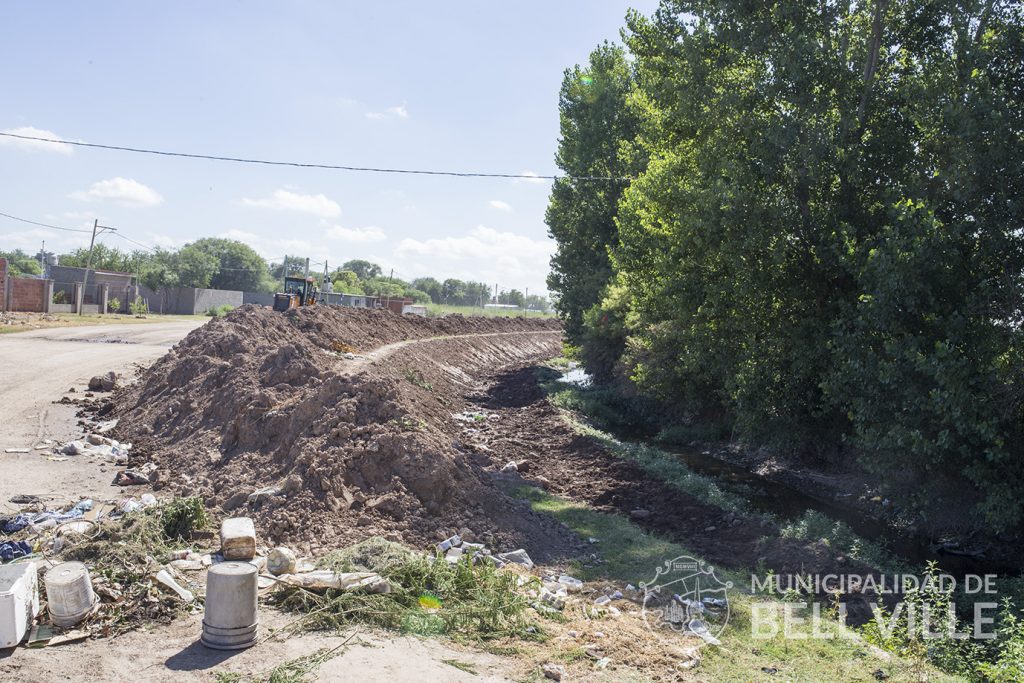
36,369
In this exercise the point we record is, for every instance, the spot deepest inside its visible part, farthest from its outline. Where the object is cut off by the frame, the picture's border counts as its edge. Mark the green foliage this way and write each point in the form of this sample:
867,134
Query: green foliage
431,286
20,264
238,266
595,127
458,293
512,297
416,377
822,249
347,282
113,304
218,311
138,307
106,258
475,601
181,516
364,270
1007,666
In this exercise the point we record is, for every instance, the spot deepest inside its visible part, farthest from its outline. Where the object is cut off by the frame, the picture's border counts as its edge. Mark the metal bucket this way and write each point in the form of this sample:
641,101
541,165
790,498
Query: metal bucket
69,596
230,621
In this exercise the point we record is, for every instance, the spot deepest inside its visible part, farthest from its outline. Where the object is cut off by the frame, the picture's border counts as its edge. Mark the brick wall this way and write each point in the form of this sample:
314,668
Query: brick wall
27,294
3,284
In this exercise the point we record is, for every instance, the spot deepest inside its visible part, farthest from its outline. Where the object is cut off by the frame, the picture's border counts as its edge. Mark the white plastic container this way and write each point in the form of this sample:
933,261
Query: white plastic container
69,596
19,601
238,538
230,621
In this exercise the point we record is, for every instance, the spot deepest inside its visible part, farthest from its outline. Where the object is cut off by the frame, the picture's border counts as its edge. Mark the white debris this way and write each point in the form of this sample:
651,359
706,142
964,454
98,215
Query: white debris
518,557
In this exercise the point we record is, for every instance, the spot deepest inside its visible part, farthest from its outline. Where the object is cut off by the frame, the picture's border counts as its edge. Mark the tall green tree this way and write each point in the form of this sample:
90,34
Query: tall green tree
19,263
596,129
429,285
825,247
364,270
239,267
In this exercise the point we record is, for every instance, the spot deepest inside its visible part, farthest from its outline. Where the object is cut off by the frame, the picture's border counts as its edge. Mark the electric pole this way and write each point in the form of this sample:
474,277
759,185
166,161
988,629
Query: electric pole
88,263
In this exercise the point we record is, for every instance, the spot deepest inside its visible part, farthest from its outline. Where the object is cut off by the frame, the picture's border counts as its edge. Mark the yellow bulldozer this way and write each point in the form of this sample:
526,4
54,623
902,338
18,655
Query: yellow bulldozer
297,292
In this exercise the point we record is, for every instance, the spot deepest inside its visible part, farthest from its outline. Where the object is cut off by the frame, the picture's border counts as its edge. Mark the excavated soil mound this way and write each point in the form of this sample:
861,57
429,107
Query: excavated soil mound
330,424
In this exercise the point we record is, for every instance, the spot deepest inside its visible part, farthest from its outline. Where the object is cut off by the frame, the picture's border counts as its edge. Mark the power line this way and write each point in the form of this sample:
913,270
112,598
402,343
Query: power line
43,225
138,244
296,164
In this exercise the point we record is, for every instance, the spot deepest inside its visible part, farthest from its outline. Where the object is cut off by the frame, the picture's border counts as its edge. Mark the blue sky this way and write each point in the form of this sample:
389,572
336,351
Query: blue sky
464,86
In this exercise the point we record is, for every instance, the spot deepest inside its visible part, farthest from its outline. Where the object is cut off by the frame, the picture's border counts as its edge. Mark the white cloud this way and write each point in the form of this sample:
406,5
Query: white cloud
533,178
36,145
396,112
31,239
370,233
483,254
286,200
123,191
500,205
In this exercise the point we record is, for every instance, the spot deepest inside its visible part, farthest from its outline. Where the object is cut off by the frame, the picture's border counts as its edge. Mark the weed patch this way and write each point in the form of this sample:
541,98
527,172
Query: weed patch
428,597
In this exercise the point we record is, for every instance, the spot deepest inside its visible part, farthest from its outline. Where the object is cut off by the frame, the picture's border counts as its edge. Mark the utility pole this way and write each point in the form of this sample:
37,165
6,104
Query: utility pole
307,268
42,258
88,263
387,301
526,302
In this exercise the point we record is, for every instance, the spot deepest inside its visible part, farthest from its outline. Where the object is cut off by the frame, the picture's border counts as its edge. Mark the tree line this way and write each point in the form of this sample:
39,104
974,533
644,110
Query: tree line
822,244
218,263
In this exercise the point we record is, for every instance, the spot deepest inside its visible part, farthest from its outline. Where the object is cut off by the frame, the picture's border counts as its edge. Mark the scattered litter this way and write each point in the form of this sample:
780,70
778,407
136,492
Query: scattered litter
238,538
700,629
553,671
46,519
19,602
453,555
24,499
17,450
12,550
69,594
573,585
281,561
517,557
164,578
324,579
448,543
259,496
510,467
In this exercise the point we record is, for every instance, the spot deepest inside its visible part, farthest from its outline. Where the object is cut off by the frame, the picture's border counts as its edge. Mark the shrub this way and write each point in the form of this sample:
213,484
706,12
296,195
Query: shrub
218,311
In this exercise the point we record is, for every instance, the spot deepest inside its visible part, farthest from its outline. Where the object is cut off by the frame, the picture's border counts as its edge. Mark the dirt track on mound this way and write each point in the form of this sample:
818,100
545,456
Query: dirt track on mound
344,422
348,423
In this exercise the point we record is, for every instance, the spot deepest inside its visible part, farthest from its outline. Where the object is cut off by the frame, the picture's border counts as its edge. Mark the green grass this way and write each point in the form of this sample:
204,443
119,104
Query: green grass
427,597
437,310
461,666
631,555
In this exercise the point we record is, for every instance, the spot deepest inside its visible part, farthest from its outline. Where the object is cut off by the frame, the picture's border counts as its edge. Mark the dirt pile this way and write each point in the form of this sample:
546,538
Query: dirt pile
330,424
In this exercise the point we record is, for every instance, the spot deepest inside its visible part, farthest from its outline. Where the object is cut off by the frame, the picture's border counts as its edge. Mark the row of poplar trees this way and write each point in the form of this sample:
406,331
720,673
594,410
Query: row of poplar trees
802,222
